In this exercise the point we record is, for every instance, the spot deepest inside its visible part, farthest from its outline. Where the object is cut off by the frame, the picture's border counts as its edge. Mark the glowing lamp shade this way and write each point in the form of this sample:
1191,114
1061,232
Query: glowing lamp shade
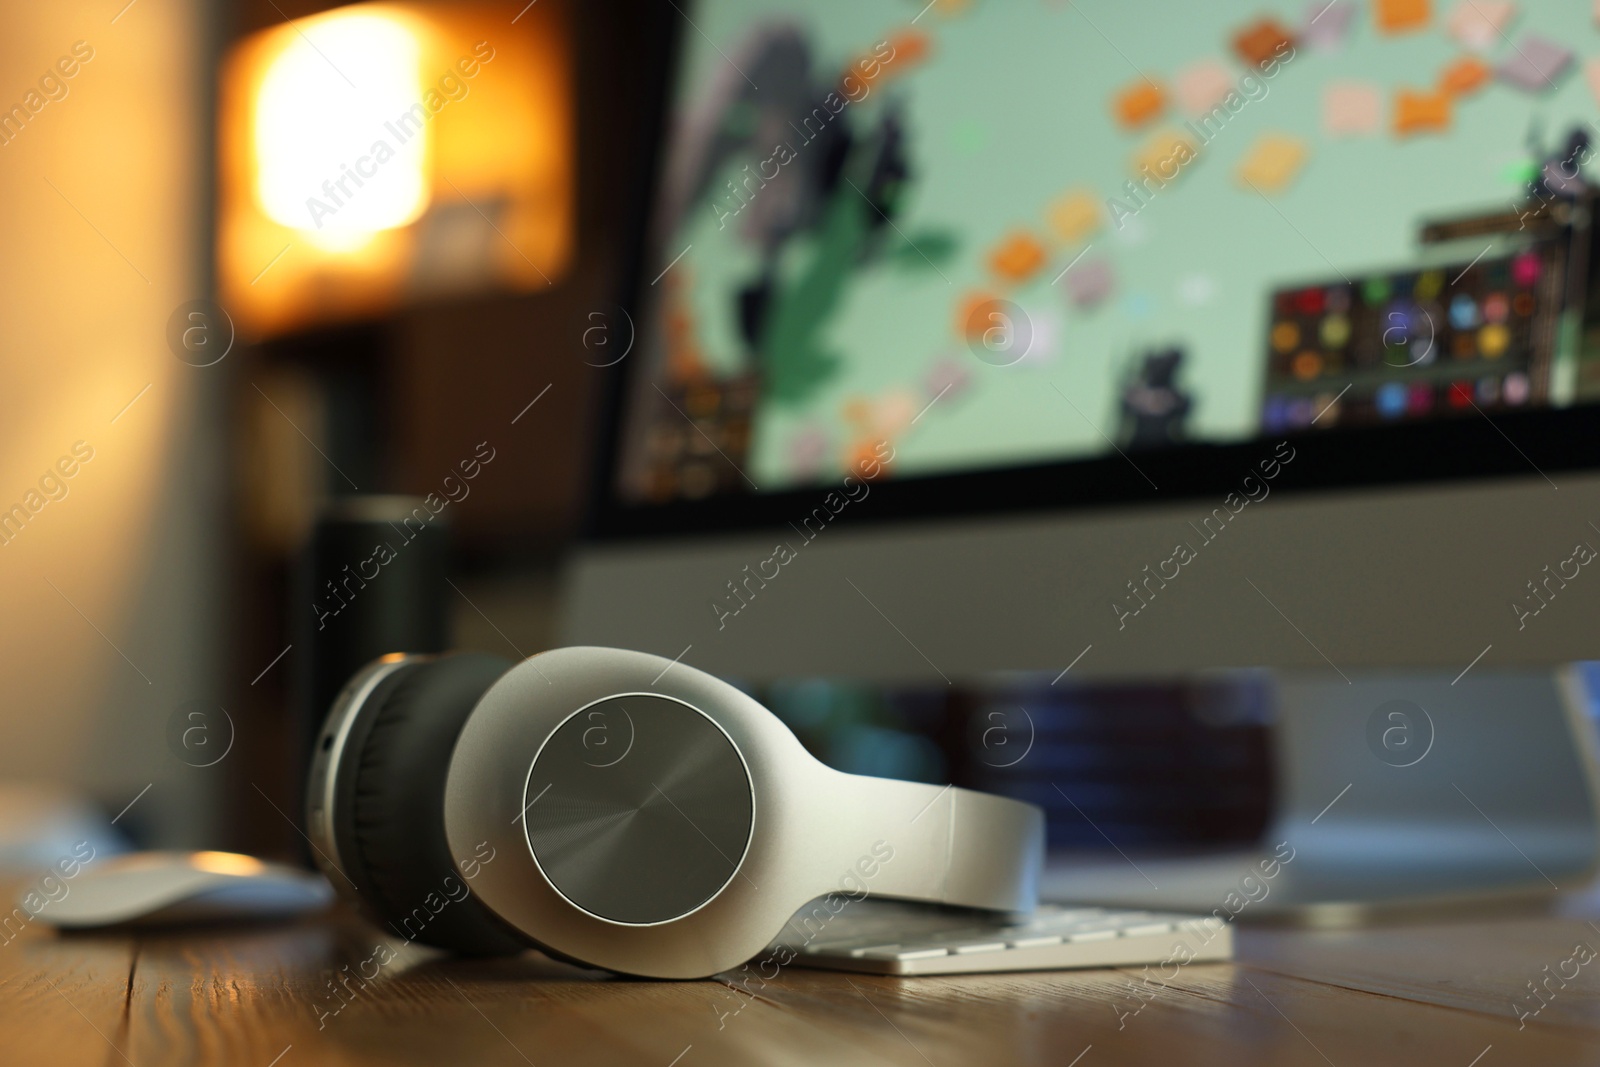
388,153
320,108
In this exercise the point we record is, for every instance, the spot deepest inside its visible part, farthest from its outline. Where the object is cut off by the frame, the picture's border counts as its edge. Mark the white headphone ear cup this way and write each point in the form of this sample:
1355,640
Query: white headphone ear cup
391,819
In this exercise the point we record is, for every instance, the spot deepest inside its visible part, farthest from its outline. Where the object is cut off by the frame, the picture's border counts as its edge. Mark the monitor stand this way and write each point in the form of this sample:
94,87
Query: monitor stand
1394,791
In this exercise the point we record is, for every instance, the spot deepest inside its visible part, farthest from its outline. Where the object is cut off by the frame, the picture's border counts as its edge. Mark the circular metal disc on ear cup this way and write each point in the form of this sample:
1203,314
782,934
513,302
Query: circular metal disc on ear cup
638,809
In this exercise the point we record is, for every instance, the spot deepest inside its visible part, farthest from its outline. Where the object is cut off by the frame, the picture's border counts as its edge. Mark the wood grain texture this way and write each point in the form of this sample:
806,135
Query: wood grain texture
63,1000
294,996
1492,968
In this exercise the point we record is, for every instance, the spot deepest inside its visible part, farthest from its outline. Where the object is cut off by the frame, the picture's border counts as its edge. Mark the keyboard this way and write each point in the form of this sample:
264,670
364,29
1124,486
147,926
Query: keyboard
882,937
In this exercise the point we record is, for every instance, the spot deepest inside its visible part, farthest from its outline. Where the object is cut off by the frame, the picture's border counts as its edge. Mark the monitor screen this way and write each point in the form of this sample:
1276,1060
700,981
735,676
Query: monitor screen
903,243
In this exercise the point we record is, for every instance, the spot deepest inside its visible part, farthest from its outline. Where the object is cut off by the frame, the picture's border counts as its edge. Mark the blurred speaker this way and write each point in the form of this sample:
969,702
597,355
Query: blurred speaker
371,582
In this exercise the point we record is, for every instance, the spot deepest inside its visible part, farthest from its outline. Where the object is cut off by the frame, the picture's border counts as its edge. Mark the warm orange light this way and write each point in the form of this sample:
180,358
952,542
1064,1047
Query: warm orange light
388,152
330,159
227,863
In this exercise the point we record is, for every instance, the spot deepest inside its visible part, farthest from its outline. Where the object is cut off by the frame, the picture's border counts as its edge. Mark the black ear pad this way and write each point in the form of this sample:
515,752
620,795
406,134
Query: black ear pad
390,808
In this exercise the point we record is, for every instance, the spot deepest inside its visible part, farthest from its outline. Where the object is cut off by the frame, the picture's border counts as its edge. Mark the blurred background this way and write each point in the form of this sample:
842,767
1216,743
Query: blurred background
251,364
162,577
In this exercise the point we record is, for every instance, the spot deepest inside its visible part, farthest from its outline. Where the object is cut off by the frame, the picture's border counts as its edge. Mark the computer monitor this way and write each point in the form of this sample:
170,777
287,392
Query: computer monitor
1112,339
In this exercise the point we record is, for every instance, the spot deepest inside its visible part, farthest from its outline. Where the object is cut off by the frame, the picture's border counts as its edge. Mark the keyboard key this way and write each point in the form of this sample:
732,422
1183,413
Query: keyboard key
828,948
1101,934
909,952
880,950
1063,916
1036,941
968,948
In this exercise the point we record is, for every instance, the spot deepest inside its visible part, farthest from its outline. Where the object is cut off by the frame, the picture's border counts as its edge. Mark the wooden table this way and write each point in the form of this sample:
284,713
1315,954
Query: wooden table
1421,993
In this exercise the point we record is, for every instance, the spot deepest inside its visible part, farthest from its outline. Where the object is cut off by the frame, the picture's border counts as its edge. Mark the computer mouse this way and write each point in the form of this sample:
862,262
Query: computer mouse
176,888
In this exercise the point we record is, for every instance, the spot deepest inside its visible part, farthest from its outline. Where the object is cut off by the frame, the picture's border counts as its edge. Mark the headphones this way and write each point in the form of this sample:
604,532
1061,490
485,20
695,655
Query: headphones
624,811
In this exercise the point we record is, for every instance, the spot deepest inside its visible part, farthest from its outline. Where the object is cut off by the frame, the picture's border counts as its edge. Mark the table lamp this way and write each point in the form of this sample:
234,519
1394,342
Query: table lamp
381,154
